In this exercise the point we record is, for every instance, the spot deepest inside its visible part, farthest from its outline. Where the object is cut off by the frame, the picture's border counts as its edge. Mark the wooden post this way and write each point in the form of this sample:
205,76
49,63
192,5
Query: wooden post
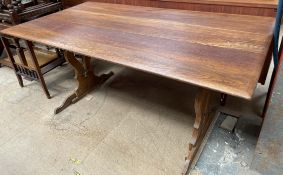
202,123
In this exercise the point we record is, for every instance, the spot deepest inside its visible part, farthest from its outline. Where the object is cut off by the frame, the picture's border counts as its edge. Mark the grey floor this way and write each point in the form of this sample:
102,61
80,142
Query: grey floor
136,123
229,152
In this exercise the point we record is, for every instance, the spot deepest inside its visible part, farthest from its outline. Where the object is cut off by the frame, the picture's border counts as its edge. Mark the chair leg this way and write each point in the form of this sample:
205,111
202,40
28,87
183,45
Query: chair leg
43,84
5,43
37,68
20,80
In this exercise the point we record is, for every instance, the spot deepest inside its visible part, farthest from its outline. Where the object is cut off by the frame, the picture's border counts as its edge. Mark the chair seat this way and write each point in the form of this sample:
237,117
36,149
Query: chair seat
43,57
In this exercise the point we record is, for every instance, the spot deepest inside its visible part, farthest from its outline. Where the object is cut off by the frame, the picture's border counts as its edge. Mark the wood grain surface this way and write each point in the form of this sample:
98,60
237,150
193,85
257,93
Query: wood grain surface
247,7
221,52
248,3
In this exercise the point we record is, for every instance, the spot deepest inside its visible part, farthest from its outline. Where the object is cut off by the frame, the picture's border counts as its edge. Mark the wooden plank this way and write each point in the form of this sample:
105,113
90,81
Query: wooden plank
251,7
221,52
250,3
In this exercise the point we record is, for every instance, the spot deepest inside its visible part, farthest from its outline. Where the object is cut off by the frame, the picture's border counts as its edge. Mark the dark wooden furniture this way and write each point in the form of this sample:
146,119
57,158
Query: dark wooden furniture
1,45
32,62
216,52
247,7
28,62
14,12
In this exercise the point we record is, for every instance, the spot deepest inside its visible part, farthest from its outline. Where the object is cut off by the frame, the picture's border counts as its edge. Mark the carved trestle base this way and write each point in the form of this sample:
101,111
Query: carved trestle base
203,120
87,81
85,77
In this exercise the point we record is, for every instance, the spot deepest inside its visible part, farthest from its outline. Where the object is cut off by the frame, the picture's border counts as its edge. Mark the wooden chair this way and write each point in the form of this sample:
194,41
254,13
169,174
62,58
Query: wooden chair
13,12
32,62
28,61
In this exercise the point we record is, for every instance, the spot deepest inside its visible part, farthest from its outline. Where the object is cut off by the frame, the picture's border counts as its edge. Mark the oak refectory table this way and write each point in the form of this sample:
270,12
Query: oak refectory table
216,52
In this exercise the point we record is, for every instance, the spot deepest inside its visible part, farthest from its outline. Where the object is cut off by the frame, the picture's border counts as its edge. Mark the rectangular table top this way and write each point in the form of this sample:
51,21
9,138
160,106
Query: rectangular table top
222,52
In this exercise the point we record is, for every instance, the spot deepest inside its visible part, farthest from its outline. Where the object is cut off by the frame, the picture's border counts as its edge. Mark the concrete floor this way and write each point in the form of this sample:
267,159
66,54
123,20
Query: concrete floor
136,123
229,152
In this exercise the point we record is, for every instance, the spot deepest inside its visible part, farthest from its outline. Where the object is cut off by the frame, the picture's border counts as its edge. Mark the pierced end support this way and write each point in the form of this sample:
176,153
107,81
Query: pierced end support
87,81
201,125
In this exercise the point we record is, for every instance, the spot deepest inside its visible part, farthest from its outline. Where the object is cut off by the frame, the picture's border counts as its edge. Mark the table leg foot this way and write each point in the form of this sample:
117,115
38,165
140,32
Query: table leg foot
85,77
66,103
201,125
